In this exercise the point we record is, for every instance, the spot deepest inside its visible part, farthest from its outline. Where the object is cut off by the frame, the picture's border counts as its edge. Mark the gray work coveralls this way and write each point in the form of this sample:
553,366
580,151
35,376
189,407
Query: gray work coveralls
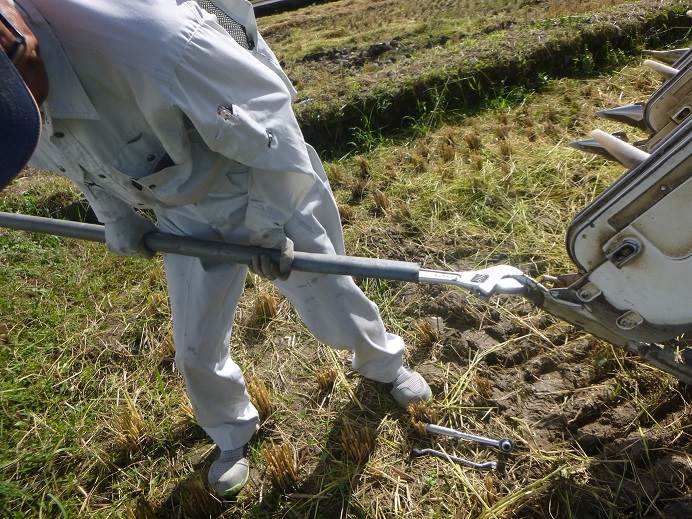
153,105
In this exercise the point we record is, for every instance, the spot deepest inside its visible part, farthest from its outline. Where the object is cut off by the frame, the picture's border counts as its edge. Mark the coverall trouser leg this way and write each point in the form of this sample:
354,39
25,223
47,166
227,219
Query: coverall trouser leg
204,295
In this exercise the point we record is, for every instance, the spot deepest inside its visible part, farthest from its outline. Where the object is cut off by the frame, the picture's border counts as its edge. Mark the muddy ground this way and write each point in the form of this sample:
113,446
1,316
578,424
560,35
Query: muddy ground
565,390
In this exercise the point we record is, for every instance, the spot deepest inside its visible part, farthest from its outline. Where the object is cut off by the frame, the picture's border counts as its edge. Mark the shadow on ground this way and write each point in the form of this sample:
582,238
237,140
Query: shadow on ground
328,489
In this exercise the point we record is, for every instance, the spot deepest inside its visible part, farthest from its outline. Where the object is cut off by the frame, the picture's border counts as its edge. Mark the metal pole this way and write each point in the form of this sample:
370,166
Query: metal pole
184,246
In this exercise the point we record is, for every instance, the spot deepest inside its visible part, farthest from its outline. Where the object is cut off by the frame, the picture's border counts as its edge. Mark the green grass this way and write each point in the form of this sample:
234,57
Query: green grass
360,23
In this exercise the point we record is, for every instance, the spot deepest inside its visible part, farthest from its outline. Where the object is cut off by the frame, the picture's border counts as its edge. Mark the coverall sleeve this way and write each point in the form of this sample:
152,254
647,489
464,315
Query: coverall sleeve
242,110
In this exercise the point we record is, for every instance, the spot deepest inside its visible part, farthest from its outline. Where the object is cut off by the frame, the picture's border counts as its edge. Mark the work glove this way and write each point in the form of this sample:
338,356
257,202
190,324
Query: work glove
125,236
264,266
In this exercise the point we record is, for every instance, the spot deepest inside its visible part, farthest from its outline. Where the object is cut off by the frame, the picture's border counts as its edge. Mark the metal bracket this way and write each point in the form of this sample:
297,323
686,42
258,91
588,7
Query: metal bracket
629,320
588,292
623,252
682,114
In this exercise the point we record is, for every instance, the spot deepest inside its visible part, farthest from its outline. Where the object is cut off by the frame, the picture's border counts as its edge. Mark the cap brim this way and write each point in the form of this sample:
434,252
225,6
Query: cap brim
20,122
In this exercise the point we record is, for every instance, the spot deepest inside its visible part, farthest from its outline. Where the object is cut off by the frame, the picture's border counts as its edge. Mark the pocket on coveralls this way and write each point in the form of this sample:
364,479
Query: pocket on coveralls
139,156
241,136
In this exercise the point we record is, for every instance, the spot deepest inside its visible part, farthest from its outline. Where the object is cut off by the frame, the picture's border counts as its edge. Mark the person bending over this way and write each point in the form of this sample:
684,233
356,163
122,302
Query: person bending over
181,107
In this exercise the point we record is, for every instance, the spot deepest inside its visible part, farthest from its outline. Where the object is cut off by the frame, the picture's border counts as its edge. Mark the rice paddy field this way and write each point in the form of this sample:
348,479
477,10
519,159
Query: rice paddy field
444,127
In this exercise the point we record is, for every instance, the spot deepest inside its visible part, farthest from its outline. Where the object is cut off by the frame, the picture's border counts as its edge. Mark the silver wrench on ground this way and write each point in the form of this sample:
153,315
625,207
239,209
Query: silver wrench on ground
504,444
487,465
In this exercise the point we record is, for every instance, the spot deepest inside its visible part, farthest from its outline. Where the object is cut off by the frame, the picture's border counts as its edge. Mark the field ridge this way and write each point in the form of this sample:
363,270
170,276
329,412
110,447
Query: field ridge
570,45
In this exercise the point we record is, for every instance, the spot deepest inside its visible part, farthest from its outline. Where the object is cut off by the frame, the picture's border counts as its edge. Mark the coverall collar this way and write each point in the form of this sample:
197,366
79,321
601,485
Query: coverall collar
67,98
243,13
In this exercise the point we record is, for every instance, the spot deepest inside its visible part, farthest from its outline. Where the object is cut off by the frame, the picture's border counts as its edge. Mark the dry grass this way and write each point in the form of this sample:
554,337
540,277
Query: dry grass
260,397
425,412
196,499
282,468
336,174
502,132
363,167
366,66
358,190
421,413
472,140
326,378
356,23
505,149
266,308
128,427
357,441
186,409
427,333
382,203
141,510
347,213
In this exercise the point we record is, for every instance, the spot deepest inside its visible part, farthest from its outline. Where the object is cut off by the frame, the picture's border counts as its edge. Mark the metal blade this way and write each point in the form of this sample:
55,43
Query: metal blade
592,146
632,115
666,71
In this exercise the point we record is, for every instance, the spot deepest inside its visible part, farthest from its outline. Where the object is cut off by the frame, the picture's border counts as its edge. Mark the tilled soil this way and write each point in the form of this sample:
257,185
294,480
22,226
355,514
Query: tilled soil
571,391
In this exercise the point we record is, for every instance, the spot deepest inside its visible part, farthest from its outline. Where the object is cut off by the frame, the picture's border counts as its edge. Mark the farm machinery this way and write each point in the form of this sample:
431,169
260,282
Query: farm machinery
632,244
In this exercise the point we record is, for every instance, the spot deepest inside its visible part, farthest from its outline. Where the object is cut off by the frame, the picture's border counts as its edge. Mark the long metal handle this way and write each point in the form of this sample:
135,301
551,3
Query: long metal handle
500,279
166,243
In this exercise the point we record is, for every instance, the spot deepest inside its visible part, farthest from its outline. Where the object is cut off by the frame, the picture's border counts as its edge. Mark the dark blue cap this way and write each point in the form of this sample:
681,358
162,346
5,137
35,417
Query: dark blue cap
20,122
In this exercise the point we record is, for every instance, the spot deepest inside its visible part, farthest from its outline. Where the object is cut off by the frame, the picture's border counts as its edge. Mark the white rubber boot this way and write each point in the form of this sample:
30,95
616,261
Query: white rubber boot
229,472
409,386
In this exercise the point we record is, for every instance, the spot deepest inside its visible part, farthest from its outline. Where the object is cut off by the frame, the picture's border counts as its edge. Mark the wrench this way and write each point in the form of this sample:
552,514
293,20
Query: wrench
488,465
504,444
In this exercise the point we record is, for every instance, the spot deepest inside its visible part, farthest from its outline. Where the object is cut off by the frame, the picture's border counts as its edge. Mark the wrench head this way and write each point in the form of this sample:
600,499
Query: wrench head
500,279
495,280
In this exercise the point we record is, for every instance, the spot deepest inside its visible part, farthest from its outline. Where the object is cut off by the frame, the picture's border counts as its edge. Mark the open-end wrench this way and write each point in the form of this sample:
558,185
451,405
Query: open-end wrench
503,444
487,465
